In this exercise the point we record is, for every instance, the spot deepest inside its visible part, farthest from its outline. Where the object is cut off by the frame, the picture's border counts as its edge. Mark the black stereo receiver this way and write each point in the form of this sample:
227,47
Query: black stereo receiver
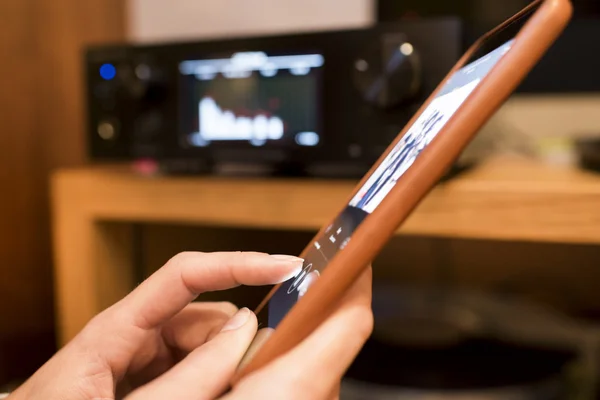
322,103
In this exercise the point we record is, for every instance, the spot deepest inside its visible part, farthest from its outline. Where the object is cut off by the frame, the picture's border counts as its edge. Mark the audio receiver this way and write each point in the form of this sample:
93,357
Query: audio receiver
319,103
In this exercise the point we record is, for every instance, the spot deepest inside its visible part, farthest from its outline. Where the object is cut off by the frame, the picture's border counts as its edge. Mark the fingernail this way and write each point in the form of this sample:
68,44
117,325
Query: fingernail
295,263
237,321
283,257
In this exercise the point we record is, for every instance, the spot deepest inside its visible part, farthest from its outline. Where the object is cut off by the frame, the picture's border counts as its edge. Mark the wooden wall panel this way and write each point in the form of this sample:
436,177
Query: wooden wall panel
41,115
18,59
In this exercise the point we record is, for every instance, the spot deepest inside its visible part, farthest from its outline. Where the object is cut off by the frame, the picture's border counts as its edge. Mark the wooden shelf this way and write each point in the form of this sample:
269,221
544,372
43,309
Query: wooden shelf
504,199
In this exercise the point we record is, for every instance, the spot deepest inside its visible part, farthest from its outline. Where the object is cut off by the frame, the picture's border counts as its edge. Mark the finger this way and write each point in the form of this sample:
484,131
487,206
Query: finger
196,324
261,338
206,372
186,275
319,362
188,330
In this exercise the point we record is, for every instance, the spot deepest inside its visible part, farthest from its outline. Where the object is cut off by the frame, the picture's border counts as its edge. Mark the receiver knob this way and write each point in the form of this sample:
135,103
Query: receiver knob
388,74
147,83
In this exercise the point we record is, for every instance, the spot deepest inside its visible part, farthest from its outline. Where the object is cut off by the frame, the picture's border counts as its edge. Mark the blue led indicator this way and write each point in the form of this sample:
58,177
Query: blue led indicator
108,72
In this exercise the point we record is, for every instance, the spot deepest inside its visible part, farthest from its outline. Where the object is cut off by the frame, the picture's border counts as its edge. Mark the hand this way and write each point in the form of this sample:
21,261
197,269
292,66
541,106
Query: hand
156,328
311,371
153,345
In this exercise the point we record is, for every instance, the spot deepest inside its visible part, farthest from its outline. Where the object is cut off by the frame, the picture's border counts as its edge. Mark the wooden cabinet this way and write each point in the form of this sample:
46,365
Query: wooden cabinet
506,200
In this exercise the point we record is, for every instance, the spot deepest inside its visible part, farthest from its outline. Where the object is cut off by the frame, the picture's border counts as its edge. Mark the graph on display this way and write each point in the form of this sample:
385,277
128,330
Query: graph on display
251,98
217,124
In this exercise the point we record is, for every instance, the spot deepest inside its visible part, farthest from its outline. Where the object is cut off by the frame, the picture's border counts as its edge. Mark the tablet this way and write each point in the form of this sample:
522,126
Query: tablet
411,166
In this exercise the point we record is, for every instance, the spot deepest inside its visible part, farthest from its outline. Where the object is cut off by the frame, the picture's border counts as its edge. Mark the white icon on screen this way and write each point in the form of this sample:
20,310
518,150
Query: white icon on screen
307,139
344,243
307,282
299,278
304,280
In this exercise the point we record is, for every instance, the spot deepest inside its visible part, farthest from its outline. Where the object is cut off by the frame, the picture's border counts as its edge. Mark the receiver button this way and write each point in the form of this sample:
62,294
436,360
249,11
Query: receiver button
107,130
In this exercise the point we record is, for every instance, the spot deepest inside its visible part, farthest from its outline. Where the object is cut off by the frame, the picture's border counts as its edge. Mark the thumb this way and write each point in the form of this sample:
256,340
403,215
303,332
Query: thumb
259,340
207,371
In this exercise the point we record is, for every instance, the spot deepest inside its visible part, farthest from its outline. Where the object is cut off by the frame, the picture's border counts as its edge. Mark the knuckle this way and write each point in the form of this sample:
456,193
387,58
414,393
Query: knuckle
245,257
91,329
180,258
365,322
228,307
184,262
100,320
95,328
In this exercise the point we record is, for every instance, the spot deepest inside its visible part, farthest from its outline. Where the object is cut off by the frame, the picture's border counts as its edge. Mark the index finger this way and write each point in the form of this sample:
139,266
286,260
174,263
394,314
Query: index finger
187,275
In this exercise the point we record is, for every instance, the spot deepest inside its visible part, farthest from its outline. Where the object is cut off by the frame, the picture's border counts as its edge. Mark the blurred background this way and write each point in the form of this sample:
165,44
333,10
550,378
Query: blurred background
486,296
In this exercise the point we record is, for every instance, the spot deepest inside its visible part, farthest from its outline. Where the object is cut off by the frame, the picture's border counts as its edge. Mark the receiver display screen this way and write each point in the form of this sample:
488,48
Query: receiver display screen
251,98
336,236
